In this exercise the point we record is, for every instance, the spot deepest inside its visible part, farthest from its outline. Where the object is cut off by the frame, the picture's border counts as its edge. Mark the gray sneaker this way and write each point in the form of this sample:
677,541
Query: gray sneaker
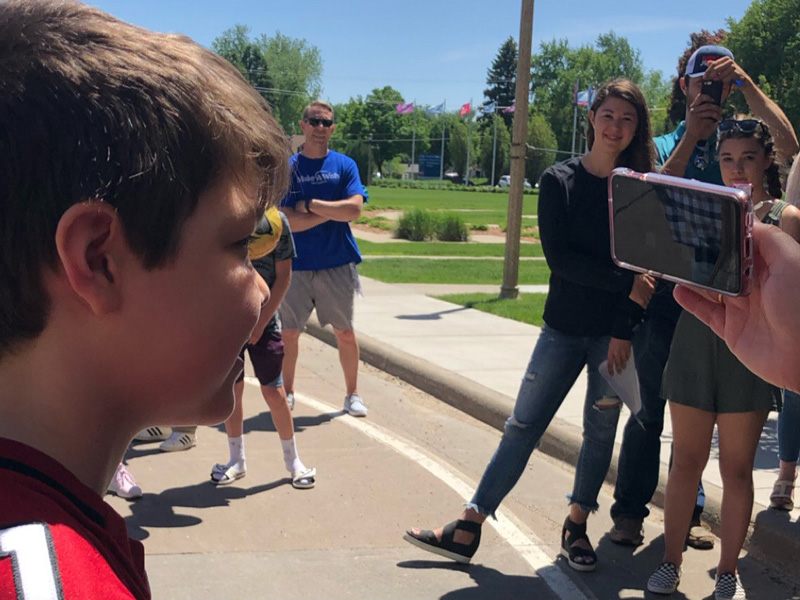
290,400
627,531
354,405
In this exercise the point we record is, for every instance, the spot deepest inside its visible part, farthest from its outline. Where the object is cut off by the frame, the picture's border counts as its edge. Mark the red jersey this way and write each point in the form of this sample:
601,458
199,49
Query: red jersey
58,538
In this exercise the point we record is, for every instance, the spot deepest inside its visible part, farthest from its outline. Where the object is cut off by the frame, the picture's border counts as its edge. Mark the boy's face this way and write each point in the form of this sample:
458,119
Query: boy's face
187,321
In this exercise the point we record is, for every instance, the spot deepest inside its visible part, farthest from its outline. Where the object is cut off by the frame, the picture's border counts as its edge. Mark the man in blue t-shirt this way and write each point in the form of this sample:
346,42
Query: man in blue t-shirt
325,195
689,151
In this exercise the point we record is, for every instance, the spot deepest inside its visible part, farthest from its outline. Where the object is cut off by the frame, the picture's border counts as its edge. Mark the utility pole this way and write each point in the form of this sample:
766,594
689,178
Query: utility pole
519,139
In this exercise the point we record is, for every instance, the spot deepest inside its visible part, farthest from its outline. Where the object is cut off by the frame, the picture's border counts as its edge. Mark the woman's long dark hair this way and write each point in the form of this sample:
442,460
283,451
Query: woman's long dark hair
640,154
764,138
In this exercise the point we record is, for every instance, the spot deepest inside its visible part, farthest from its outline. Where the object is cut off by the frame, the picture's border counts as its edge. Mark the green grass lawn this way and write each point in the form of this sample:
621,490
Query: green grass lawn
528,308
403,199
411,270
443,249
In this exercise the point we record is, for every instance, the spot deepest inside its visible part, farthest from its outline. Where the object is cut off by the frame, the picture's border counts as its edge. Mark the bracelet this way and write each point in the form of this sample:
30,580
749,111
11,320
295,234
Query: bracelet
308,208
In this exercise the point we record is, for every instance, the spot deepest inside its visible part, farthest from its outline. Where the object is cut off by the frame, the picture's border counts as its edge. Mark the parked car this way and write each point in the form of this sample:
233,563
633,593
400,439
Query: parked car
505,181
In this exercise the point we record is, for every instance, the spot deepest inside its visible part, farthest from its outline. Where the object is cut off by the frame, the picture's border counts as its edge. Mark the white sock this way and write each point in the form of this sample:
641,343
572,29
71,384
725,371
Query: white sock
290,458
236,447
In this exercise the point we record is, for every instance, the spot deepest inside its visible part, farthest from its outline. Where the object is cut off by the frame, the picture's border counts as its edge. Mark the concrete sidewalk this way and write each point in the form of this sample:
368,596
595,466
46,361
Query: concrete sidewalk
474,361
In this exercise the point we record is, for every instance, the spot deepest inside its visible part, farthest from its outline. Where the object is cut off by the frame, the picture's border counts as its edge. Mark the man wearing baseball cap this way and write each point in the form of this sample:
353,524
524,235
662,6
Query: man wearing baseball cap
688,151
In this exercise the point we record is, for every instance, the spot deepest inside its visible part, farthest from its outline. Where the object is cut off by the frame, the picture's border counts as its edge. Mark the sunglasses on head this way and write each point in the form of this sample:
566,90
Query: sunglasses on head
743,125
314,122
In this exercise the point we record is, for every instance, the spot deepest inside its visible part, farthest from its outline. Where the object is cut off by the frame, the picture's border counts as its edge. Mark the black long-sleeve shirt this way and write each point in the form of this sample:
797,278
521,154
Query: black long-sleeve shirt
588,294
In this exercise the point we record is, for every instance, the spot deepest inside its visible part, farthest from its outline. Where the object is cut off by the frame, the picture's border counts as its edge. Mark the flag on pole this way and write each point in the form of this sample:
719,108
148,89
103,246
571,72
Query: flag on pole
509,110
464,109
436,110
585,98
405,109
489,109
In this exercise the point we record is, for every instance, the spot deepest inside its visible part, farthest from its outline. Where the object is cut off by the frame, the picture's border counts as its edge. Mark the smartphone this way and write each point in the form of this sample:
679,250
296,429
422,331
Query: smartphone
682,230
713,89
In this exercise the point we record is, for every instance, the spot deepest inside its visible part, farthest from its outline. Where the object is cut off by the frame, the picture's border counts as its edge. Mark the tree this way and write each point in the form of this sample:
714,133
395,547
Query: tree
295,67
557,67
457,147
766,45
656,90
235,46
541,138
501,151
501,77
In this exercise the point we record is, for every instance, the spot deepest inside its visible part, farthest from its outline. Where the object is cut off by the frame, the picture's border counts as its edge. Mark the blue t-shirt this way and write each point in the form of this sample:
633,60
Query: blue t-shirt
706,154
334,177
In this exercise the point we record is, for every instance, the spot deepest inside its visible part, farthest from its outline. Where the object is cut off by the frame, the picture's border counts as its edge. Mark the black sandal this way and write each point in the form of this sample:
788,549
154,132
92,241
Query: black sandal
462,553
571,533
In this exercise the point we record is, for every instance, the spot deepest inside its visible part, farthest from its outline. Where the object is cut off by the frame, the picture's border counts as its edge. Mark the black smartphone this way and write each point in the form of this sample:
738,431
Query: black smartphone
714,90
682,230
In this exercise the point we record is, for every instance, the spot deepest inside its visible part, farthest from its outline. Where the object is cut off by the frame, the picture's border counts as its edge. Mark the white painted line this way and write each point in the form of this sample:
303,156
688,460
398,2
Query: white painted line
528,545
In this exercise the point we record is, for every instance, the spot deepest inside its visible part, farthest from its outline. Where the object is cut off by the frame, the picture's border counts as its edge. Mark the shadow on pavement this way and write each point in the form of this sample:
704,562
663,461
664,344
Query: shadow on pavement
158,510
263,422
489,583
432,316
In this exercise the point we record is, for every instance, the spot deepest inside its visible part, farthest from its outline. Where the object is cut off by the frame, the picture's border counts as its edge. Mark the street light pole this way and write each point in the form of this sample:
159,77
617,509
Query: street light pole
509,289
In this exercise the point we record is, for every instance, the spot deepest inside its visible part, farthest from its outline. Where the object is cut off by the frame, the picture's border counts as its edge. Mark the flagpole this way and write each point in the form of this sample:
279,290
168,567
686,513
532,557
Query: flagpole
469,140
574,117
494,146
441,158
413,139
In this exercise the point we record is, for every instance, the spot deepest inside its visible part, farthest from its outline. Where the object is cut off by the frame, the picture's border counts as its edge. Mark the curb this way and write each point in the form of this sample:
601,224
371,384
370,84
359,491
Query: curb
771,540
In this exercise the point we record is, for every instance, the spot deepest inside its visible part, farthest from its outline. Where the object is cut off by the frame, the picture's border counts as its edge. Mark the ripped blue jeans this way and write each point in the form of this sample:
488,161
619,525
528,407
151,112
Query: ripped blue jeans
555,364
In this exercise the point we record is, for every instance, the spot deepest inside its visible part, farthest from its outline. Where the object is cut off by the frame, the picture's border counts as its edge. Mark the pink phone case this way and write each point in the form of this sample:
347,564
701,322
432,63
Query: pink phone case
742,202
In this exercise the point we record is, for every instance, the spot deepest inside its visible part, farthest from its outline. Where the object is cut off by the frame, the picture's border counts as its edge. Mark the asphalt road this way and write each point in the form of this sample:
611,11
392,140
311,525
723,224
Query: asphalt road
412,462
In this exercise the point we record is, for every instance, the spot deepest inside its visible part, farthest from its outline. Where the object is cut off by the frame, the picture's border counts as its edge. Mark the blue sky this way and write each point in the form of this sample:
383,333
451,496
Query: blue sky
431,50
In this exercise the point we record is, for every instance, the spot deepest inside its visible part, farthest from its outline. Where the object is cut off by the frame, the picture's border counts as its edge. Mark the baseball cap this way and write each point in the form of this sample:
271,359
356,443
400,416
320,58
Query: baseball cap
702,57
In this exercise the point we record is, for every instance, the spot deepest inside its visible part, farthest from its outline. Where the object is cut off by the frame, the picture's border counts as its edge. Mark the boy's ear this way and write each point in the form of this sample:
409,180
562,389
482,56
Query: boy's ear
88,239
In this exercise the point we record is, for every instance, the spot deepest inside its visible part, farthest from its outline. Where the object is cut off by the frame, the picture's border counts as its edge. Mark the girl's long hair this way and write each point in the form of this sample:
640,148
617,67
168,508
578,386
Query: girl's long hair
640,154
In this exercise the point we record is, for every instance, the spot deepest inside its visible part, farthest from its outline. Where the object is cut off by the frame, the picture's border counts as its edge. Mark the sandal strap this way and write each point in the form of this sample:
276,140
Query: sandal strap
575,531
470,526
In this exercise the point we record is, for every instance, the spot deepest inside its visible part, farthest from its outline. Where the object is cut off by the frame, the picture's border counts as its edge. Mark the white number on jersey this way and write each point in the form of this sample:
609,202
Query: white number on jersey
33,561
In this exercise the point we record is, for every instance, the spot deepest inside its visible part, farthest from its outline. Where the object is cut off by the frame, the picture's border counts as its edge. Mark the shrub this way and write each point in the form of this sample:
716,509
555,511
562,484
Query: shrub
416,225
450,227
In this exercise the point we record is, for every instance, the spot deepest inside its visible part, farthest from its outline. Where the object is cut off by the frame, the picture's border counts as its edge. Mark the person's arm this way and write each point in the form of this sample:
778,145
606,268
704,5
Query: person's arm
283,277
563,260
761,329
345,210
702,118
629,315
725,69
302,221
790,222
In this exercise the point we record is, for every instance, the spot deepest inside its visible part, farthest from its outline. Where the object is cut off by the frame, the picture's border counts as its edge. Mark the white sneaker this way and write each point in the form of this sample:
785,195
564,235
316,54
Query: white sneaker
290,400
124,485
354,405
152,434
178,441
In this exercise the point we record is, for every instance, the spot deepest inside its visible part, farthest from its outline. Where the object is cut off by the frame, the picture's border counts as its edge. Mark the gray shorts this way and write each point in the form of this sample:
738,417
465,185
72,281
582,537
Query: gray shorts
330,291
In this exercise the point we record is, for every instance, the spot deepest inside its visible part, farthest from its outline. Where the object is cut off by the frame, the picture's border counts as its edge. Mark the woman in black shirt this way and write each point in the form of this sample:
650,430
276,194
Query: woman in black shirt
591,310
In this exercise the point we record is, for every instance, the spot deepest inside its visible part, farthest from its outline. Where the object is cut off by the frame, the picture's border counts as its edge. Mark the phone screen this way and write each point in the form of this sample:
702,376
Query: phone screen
684,234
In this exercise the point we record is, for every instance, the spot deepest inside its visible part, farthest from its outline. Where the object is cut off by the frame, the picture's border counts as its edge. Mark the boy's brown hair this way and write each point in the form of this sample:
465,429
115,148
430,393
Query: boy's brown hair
94,108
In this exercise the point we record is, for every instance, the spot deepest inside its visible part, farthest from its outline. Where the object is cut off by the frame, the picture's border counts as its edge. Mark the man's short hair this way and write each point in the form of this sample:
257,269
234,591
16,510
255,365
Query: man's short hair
94,108
317,104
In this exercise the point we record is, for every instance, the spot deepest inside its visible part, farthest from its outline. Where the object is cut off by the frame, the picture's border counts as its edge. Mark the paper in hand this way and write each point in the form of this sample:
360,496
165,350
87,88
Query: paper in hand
626,385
